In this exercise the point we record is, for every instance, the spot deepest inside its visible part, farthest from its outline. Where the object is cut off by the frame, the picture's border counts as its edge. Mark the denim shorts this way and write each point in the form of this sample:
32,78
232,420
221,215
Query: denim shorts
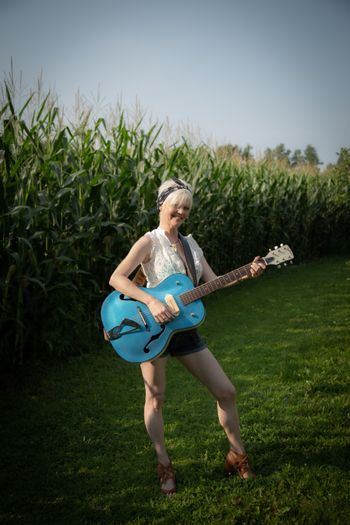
185,343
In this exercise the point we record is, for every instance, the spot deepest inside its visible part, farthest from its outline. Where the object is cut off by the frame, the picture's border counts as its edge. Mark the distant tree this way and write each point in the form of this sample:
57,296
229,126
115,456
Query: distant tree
297,159
268,154
281,153
232,150
227,150
343,161
311,156
246,152
343,156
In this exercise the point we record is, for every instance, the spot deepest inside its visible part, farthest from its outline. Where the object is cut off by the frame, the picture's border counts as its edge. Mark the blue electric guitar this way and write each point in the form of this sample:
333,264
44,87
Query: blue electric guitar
134,333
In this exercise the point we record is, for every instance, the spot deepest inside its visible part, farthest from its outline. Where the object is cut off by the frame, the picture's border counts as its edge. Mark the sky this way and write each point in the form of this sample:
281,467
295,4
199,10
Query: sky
258,72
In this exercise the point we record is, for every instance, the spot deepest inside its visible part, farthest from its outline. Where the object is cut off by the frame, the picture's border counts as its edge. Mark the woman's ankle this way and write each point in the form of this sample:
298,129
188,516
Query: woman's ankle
163,458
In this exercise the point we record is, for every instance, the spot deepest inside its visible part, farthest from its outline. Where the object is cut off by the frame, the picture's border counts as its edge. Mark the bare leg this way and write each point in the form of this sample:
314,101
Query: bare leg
155,379
205,367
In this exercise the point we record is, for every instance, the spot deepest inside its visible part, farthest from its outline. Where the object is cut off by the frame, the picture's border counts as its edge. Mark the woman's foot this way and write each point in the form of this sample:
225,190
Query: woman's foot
166,477
238,463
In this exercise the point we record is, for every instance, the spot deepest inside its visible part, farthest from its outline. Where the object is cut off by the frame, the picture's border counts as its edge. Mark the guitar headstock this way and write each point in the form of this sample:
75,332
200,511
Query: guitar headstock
281,254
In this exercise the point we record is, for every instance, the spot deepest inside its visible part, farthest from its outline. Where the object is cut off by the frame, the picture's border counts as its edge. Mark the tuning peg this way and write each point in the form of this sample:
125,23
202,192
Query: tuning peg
281,244
276,247
279,266
285,264
291,262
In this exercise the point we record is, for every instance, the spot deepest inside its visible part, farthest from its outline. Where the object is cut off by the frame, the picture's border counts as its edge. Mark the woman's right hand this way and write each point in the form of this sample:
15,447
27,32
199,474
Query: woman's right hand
160,311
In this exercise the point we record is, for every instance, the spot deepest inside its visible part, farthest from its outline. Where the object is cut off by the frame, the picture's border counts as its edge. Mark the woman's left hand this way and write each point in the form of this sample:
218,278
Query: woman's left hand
257,267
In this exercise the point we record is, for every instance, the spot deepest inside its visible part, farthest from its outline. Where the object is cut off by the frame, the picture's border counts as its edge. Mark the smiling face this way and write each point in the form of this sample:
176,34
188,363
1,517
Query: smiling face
175,209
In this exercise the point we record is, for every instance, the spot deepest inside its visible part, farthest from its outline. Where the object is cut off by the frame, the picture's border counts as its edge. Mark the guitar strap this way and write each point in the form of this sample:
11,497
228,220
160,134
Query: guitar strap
189,258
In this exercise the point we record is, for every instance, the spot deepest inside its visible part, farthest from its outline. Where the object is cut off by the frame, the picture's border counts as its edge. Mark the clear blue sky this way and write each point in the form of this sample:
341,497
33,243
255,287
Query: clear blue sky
242,71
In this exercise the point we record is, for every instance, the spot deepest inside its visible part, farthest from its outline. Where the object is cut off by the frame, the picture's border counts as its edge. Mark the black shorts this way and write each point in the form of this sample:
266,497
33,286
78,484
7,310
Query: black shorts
184,343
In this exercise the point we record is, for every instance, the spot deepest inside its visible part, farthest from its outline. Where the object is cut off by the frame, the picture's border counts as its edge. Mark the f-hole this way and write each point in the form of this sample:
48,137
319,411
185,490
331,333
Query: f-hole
123,297
153,338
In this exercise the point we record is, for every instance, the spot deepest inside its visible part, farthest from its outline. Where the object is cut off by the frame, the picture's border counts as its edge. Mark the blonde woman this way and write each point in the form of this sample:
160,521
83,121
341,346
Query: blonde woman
161,253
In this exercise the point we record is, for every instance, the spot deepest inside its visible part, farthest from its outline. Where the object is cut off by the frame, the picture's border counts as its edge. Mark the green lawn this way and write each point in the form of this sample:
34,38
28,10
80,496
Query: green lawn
74,449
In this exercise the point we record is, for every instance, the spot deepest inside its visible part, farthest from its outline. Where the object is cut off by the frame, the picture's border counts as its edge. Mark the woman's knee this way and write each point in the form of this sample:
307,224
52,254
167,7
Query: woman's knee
227,393
155,398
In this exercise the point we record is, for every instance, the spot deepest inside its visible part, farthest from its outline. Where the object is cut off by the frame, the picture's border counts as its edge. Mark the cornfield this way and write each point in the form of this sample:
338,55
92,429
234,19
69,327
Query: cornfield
74,198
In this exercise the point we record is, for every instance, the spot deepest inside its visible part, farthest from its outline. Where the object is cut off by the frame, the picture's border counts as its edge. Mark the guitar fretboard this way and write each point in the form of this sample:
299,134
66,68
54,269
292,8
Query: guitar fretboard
211,286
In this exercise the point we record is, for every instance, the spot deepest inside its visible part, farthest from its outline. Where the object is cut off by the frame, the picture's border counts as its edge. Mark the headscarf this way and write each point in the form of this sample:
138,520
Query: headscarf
179,185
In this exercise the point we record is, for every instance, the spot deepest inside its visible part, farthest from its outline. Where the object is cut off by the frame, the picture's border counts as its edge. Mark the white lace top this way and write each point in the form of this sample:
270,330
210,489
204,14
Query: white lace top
165,261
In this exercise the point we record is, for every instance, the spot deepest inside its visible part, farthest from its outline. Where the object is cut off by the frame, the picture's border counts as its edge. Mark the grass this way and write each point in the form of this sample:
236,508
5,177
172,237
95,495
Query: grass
74,449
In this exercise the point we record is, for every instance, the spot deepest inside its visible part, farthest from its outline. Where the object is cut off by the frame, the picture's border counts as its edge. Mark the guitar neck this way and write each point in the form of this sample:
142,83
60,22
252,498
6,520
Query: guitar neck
216,284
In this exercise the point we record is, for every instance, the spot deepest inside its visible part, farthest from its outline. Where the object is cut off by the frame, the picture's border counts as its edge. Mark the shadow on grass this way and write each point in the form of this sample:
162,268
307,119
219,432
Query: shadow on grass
273,459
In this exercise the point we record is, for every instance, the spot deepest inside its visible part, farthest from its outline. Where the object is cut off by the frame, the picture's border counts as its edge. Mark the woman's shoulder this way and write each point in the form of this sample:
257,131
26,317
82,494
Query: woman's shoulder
151,234
147,244
145,240
191,239
150,237
194,244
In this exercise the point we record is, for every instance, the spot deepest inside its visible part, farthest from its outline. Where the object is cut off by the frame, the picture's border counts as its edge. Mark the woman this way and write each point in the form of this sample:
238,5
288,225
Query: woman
160,252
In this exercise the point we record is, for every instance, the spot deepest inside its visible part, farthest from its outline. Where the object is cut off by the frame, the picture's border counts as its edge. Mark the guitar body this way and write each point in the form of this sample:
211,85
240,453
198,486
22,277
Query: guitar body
134,333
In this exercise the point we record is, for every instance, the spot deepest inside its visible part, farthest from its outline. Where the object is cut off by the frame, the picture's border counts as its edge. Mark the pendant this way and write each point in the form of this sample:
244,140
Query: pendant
174,247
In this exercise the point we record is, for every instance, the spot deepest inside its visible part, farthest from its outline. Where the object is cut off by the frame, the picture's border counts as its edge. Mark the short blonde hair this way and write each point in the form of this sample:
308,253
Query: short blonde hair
175,190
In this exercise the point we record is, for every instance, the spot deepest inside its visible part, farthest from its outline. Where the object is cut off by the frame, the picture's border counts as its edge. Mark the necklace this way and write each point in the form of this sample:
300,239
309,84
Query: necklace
174,245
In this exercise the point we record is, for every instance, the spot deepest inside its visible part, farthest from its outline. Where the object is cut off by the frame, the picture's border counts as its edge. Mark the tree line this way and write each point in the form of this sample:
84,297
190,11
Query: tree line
281,154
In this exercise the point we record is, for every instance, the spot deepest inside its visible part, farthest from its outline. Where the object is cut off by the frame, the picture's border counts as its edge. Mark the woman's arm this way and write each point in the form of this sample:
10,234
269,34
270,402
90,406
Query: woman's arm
119,279
139,253
208,274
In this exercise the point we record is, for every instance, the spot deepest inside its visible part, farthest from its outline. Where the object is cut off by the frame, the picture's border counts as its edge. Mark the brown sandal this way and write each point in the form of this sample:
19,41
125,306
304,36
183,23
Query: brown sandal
239,463
164,474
